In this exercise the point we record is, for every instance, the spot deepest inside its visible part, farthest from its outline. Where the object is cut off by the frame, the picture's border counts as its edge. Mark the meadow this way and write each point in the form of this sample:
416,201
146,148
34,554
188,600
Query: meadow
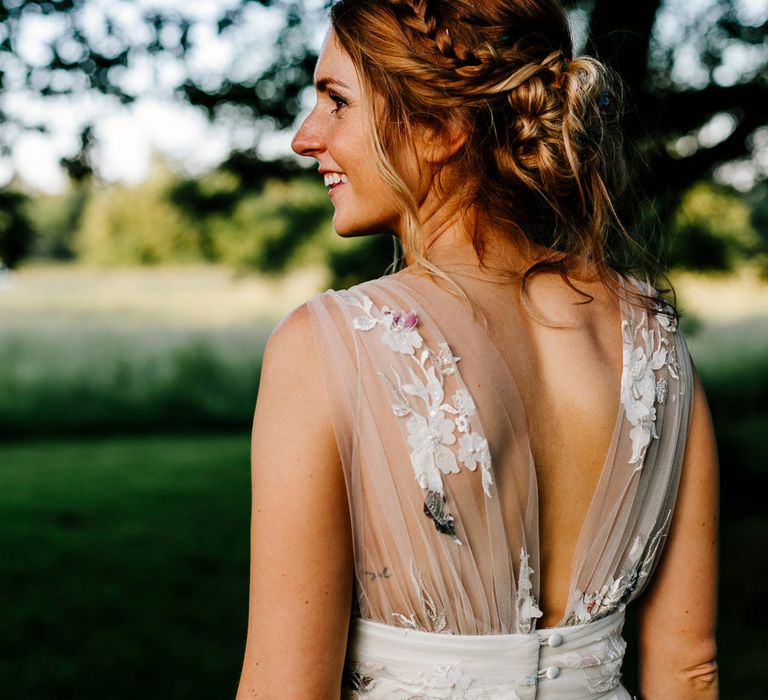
125,403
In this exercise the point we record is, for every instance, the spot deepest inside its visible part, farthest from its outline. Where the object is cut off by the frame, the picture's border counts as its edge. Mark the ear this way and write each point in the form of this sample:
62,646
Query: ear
438,143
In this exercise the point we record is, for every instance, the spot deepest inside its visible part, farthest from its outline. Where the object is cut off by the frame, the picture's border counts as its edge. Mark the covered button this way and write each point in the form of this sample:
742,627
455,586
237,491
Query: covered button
553,672
555,640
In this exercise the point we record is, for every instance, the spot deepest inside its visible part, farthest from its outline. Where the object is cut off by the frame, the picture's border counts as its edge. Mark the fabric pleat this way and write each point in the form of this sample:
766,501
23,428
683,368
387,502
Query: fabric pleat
441,481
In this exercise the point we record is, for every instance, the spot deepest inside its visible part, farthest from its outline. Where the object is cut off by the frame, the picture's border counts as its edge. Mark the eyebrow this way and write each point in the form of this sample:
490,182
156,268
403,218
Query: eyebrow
323,84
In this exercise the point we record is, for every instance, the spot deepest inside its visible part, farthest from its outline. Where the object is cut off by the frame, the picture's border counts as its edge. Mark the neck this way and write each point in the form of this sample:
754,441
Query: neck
447,240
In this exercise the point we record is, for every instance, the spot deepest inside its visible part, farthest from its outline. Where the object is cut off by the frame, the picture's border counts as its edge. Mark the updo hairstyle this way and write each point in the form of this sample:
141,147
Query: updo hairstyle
544,154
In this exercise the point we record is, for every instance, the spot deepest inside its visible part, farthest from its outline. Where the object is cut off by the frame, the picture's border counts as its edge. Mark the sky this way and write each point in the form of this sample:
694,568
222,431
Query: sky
128,138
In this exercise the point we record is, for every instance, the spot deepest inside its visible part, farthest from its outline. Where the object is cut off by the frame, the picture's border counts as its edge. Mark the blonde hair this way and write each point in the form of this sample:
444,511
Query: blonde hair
544,154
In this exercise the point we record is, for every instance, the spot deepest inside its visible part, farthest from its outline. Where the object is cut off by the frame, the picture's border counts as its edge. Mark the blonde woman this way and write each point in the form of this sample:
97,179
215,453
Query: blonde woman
466,470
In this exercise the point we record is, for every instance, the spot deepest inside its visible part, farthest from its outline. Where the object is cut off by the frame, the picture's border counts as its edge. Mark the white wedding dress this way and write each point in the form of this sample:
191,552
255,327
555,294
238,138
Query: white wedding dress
443,499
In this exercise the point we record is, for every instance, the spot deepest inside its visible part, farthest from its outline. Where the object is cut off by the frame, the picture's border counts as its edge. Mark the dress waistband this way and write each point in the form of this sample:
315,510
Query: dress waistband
567,663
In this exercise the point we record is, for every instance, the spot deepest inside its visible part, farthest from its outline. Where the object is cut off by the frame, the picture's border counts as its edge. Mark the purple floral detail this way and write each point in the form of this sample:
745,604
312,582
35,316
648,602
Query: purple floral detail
400,332
421,397
615,594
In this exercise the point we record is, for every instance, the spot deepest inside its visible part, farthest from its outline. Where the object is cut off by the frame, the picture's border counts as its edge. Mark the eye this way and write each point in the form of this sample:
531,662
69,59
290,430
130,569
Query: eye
340,102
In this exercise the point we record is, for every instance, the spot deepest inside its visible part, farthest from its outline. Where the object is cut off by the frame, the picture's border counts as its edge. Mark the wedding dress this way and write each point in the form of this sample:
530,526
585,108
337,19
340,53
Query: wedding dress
442,494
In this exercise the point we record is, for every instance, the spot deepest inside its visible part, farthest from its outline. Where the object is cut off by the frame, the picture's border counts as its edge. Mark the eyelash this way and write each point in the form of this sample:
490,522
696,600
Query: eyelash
338,101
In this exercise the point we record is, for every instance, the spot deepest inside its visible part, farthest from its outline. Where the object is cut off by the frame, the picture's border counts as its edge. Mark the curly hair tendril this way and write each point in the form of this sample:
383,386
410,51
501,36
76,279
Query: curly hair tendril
544,158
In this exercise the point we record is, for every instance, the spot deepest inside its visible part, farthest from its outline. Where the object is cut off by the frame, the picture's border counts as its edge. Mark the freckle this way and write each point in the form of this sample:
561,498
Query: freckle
306,602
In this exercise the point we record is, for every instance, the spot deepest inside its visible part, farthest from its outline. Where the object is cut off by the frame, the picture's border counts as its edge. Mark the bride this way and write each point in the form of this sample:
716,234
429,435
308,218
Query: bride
464,471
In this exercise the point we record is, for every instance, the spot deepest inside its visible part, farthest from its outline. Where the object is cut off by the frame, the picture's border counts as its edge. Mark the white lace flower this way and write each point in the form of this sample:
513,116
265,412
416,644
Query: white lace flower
445,359
638,386
463,402
617,591
665,316
473,449
400,330
527,609
429,438
431,430
363,323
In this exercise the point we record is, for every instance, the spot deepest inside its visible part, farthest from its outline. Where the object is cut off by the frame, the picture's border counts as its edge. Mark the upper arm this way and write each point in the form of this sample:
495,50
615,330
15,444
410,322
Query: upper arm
301,552
677,614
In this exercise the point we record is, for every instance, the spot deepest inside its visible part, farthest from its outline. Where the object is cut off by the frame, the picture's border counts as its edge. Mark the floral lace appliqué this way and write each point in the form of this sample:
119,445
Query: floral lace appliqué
359,679
615,594
527,610
433,422
646,351
436,620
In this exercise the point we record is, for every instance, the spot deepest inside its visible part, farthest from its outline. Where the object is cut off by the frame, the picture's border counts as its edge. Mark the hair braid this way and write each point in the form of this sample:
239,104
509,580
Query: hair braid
544,156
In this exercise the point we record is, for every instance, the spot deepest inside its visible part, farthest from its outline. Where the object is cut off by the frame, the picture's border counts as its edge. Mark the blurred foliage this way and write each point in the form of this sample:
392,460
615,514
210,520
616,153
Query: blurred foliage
286,222
712,230
283,223
16,234
125,224
262,230
55,220
367,259
146,379
92,47
758,204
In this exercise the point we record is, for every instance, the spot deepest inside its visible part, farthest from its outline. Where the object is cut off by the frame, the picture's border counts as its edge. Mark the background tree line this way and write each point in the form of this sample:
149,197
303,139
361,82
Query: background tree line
687,127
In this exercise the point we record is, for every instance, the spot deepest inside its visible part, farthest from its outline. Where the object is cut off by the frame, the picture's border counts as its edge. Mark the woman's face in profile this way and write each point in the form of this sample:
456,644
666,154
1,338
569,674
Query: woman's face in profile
334,134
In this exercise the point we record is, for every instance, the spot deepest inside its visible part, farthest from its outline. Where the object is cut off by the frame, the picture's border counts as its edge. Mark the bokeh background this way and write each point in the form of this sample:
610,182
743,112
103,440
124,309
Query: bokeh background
153,229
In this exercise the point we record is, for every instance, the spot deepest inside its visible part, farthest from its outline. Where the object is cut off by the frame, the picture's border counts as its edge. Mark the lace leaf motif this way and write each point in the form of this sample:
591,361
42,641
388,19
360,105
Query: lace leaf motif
435,618
616,592
527,609
646,351
432,423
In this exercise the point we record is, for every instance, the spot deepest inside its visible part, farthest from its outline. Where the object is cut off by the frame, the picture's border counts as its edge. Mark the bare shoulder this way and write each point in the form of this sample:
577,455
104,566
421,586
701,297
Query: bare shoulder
292,336
301,554
291,389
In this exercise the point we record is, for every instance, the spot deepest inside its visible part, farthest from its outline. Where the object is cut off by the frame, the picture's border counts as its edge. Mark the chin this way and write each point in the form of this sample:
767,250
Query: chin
353,229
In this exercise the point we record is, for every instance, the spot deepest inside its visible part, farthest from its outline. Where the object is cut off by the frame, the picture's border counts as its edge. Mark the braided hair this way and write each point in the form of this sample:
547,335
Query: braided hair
544,157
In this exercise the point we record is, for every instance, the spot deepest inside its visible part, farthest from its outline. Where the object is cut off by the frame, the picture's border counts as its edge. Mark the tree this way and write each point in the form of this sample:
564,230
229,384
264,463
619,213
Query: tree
686,127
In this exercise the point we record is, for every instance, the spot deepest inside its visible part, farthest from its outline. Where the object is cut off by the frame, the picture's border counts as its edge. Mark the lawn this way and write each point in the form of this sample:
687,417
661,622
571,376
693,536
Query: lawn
125,567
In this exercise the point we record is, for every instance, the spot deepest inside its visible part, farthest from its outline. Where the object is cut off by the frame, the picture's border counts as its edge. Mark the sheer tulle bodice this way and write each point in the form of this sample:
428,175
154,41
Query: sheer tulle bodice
441,480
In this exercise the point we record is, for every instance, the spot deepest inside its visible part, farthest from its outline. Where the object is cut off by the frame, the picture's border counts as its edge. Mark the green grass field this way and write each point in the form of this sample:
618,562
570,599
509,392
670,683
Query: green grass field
124,567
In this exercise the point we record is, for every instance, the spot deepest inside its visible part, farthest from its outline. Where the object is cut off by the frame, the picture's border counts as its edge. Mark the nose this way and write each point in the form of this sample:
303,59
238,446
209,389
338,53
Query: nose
307,141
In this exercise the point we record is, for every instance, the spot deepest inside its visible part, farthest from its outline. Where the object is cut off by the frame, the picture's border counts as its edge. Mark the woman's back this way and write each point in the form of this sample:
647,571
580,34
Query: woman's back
569,376
501,478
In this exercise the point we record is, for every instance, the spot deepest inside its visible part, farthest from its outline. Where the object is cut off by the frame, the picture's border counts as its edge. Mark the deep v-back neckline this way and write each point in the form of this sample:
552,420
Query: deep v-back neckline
605,470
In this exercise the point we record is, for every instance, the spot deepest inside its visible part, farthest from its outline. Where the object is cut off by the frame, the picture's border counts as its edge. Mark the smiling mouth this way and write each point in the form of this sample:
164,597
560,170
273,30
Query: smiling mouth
333,180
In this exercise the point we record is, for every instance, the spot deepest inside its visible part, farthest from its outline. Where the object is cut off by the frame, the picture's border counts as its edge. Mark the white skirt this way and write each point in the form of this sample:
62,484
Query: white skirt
577,662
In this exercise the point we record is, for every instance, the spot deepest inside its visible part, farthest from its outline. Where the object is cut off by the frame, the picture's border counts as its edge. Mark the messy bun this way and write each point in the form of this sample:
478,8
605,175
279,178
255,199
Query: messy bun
544,156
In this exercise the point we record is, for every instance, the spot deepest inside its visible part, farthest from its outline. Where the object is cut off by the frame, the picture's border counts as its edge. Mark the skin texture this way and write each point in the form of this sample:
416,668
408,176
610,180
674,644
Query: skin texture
301,549
677,613
301,557
334,134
